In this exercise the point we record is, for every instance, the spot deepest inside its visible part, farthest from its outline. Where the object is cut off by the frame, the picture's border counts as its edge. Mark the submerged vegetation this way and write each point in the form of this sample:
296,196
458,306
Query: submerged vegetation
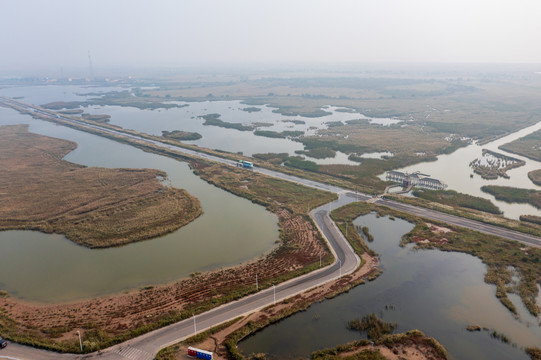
372,325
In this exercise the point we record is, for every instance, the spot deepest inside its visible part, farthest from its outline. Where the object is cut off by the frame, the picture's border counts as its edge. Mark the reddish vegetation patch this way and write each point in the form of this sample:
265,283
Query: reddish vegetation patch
94,207
216,342
116,314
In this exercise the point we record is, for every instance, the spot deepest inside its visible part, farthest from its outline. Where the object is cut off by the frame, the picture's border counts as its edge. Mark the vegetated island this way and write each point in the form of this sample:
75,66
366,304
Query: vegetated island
251,109
528,146
514,195
279,135
535,177
94,207
493,165
181,135
213,119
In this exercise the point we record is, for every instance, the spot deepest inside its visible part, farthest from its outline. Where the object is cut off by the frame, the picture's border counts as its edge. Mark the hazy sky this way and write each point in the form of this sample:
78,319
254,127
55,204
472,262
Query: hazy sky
59,33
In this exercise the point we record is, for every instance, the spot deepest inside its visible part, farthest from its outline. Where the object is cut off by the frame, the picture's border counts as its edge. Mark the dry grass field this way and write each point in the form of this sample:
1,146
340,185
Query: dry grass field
94,207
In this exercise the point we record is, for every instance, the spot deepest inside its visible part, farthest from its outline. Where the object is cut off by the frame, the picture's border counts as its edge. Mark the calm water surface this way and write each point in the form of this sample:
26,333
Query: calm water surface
454,170
436,292
45,267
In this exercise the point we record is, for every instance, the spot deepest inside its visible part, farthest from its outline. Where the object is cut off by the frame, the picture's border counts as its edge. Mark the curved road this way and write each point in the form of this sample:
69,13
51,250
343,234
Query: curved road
146,346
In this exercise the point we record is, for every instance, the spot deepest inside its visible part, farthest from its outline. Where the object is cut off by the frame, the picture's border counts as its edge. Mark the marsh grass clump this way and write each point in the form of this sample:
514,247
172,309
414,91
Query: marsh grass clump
374,327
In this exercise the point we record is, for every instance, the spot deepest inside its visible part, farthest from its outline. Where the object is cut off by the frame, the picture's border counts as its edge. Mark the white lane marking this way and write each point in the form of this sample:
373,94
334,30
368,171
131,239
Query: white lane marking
133,353
8,357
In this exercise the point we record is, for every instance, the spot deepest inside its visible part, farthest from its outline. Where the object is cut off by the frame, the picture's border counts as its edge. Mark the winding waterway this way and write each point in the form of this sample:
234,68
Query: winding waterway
454,170
44,267
436,292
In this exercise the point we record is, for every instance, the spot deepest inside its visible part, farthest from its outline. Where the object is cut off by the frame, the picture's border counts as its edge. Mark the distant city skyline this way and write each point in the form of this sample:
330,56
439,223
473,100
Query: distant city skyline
59,34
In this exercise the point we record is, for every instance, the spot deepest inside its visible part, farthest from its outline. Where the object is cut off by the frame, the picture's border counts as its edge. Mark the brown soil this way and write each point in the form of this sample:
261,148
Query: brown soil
94,207
216,342
413,349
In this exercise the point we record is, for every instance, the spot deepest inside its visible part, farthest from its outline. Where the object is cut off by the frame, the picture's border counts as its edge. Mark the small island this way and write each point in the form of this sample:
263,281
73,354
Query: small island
181,135
492,165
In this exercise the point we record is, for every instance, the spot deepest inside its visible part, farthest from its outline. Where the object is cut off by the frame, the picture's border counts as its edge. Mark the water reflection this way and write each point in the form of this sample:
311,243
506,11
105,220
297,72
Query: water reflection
436,292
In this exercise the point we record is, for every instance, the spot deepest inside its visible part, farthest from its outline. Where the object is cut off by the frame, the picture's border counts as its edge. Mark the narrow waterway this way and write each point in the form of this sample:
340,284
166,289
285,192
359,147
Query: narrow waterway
438,293
454,170
45,267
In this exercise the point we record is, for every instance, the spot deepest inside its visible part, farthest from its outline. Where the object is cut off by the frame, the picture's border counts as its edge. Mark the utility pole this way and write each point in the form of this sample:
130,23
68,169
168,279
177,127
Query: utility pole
80,341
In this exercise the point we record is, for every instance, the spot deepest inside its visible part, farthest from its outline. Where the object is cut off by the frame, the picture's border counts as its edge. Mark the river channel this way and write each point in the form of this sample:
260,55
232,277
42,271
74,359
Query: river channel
454,170
438,293
50,268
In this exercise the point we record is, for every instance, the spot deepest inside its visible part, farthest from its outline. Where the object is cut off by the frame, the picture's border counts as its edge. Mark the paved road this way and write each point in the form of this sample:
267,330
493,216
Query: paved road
146,346
463,222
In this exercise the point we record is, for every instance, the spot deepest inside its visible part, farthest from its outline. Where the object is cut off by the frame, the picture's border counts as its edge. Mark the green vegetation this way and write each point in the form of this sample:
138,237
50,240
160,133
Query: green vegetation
528,146
514,195
279,135
372,325
300,163
181,135
297,122
531,219
453,198
498,254
535,177
366,232
104,118
212,120
332,124
498,220
251,109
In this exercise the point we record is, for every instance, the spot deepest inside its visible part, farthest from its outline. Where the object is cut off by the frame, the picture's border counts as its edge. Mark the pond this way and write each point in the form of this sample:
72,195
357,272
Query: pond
439,293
